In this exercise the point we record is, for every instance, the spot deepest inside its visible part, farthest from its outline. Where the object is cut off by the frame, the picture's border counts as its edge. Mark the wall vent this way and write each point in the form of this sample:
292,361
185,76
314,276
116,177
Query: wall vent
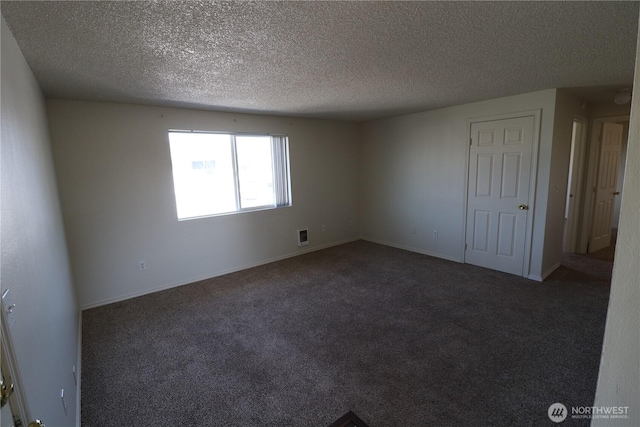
303,237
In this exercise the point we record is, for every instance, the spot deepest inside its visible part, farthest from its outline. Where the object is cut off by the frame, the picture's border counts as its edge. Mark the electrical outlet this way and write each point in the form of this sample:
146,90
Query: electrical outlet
324,228
435,233
64,401
143,265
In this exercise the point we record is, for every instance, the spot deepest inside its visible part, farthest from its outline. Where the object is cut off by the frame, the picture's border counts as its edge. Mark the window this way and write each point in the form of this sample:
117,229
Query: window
217,173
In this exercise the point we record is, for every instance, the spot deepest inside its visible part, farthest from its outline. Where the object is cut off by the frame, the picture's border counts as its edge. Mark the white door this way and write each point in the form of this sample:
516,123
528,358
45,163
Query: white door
610,146
573,188
498,193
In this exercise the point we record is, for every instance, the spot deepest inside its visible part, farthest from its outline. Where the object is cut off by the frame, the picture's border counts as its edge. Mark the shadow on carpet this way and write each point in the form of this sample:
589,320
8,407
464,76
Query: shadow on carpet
349,420
397,337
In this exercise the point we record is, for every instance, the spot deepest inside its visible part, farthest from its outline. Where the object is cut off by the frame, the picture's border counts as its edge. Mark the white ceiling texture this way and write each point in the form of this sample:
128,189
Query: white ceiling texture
340,60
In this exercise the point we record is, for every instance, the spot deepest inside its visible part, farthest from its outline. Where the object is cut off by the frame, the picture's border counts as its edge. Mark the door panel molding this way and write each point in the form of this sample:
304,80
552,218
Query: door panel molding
511,138
591,163
606,176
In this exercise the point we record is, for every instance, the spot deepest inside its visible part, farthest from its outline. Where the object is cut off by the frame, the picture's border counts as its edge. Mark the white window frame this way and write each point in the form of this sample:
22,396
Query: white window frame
281,175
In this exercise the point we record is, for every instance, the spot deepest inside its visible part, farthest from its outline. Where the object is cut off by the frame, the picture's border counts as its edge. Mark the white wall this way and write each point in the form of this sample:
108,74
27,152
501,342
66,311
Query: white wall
608,109
35,266
618,381
116,188
620,179
567,108
414,175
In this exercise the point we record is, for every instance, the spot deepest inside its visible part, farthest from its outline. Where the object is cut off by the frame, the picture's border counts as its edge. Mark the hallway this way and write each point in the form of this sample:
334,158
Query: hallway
594,267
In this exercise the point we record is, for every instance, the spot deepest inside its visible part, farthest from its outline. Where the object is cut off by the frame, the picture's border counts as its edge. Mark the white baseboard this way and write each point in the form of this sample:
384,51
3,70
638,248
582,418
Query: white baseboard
219,273
412,249
545,274
551,270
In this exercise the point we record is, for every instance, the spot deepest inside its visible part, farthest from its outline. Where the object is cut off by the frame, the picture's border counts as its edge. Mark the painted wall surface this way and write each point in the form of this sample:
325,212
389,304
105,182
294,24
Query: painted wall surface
567,108
620,180
116,187
414,176
618,383
610,108
35,265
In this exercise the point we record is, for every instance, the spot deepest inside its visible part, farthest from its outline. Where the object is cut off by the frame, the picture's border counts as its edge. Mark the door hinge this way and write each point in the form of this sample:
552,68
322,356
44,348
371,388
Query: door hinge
465,246
470,141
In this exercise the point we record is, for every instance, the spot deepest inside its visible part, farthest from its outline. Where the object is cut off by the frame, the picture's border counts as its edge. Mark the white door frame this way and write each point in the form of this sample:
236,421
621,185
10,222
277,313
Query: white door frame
11,372
591,174
536,114
579,161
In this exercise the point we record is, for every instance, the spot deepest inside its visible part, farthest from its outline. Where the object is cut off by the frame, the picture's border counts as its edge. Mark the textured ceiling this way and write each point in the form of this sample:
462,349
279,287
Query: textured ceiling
344,60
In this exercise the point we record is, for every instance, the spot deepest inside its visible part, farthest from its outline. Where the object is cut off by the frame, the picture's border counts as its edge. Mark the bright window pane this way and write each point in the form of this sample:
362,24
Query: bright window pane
202,173
255,171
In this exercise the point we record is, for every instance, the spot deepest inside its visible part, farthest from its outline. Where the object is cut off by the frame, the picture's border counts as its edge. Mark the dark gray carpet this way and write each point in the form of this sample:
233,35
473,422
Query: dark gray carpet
399,338
596,266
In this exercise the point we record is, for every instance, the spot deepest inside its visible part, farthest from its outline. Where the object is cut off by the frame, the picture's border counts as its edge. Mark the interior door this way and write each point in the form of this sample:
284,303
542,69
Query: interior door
573,190
605,191
498,193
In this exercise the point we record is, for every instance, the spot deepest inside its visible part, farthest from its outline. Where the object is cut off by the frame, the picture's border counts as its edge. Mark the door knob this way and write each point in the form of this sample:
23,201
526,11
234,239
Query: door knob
616,193
523,207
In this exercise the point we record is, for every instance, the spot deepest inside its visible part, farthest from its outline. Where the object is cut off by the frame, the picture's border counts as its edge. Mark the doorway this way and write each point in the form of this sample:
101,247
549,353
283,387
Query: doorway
498,221
575,185
595,163
600,215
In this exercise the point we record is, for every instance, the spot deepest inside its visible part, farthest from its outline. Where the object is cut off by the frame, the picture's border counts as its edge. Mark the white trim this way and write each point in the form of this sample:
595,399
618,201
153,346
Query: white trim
503,116
220,273
412,249
579,165
537,123
591,162
222,132
545,274
465,192
236,172
10,361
